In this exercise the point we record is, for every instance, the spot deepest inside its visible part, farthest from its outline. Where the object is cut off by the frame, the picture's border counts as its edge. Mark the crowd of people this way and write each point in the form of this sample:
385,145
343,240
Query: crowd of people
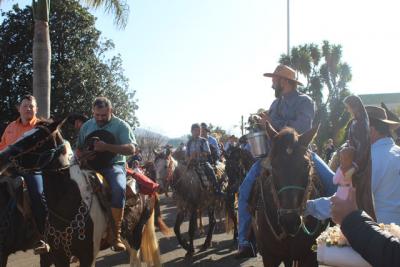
290,109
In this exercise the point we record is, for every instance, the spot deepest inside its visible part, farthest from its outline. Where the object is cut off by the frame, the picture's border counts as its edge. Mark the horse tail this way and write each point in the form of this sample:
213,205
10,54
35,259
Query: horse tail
160,222
149,247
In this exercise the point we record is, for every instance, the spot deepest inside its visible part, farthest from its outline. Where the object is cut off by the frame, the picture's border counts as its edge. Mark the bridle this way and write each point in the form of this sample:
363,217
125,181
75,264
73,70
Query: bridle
299,210
44,158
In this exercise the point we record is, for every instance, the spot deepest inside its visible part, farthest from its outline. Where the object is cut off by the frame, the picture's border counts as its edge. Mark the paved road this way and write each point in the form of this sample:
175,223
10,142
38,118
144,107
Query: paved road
220,254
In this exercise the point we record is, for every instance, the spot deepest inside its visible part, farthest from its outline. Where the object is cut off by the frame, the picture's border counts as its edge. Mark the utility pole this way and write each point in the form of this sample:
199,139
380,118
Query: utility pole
288,27
242,125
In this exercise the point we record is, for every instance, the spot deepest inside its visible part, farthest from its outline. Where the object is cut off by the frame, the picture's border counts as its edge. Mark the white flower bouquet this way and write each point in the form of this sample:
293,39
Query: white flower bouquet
333,249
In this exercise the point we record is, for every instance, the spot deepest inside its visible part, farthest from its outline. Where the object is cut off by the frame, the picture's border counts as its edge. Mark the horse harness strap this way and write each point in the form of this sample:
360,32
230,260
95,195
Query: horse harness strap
76,225
51,154
282,211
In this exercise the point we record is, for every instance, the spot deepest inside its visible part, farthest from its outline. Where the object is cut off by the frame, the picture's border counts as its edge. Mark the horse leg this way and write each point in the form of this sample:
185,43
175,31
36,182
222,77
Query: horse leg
45,260
232,215
309,260
211,226
192,230
177,229
271,261
3,259
201,226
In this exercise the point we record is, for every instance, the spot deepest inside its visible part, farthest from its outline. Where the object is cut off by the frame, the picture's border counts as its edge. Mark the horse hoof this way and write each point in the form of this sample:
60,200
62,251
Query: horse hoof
189,255
205,246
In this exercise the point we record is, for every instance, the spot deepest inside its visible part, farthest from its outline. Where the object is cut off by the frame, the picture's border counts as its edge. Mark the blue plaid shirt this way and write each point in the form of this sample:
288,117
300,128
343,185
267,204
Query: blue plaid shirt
294,110
199,145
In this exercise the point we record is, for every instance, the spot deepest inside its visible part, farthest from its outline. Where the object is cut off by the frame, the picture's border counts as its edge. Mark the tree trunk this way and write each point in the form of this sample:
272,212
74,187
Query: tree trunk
41,67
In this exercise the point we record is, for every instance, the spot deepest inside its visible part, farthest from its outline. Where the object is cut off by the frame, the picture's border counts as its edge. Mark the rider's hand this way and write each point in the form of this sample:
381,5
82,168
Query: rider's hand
100,146
262,119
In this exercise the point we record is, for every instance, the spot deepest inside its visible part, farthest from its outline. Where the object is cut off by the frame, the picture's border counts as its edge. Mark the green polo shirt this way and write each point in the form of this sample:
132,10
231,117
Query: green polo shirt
120,129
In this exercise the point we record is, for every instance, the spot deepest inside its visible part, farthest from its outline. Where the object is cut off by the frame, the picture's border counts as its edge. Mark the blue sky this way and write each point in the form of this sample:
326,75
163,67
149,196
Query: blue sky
203,60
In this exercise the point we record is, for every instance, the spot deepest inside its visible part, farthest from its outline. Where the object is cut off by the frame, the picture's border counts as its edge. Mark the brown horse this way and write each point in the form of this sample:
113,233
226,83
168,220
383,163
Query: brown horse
192,192
287,181
238,163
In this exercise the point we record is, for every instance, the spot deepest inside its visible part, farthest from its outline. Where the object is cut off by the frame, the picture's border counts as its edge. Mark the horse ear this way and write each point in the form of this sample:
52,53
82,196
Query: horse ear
270,130
306,138
56,124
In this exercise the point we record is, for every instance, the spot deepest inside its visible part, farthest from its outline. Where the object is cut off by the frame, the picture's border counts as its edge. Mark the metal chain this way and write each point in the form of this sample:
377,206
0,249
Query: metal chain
64,237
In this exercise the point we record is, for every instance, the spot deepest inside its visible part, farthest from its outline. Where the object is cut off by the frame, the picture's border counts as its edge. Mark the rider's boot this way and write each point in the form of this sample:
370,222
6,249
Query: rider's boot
245,252
118,214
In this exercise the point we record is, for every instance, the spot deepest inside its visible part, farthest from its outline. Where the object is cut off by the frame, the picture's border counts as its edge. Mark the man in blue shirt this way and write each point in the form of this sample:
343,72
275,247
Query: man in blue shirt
289,109
103,119
385,180
198,152
212,141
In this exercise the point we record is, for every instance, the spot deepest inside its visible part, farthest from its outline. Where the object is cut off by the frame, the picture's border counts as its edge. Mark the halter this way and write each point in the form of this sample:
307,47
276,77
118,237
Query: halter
283,211
49,155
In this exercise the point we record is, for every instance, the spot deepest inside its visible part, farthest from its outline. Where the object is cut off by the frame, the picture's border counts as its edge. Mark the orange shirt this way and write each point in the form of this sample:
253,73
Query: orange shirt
14,130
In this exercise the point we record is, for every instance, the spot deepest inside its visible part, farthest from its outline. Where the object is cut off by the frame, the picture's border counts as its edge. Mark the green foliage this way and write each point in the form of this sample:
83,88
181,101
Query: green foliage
81,65
325,72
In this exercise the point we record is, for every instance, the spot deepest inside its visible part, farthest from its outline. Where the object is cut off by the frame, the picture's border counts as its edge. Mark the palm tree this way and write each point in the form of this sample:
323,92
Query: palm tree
42,48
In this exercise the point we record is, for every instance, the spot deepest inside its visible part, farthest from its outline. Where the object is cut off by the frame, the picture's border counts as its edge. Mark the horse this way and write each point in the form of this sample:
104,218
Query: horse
288,179
76,221
17,225
192,192
238,163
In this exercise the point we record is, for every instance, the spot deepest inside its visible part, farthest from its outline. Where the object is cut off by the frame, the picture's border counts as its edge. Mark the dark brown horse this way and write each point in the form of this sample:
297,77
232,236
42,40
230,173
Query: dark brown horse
238,163
279,197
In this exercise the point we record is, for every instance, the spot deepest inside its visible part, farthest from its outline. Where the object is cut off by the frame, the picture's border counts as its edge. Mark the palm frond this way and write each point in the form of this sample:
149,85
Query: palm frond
119,8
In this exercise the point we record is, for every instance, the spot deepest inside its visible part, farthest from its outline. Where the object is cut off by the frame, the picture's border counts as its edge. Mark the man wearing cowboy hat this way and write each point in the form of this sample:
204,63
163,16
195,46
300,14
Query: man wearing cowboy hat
212,141
385,180
289,109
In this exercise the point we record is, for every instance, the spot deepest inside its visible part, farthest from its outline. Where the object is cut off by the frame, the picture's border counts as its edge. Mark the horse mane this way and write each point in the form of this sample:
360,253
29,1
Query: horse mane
286,140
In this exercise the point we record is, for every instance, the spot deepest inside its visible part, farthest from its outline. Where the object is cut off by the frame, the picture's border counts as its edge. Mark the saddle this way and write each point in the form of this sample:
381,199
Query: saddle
137,210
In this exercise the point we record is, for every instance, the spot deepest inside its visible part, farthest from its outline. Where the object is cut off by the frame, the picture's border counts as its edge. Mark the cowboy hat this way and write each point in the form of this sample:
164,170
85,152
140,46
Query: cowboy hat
379,114
205,127
283,71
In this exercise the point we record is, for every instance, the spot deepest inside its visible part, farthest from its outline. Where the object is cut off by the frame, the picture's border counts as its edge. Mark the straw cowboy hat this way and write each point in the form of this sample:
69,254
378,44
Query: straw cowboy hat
283,71
378,113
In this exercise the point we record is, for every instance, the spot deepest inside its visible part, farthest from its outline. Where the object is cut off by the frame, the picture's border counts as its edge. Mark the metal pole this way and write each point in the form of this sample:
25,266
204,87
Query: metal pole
288,28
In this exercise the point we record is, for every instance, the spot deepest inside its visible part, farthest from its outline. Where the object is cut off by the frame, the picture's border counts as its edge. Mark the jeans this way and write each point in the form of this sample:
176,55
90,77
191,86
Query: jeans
324,172
34,182
116,178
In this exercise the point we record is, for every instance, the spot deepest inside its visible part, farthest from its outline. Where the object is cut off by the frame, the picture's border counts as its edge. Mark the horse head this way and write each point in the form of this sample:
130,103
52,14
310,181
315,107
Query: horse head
238,163
164,165
38,149
291,170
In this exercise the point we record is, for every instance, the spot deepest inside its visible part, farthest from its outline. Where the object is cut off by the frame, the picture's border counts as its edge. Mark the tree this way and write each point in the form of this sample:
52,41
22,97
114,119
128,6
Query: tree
42,47
324,70
148,142
80,66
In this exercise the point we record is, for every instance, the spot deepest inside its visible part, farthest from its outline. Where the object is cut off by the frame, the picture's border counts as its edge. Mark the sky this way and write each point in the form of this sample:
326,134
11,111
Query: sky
202,60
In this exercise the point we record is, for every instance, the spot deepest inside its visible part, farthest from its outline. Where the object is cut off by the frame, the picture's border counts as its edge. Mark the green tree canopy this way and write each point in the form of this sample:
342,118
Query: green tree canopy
81,65
327,77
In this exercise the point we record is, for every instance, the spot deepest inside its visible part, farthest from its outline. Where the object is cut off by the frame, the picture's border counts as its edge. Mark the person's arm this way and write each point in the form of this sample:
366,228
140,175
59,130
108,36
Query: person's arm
365,237
3,142
319,208
127,142
305,112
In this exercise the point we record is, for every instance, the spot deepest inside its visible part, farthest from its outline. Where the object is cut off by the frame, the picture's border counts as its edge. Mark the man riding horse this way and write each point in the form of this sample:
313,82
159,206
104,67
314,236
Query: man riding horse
198,152
212,141
289,109
27,120
115,174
